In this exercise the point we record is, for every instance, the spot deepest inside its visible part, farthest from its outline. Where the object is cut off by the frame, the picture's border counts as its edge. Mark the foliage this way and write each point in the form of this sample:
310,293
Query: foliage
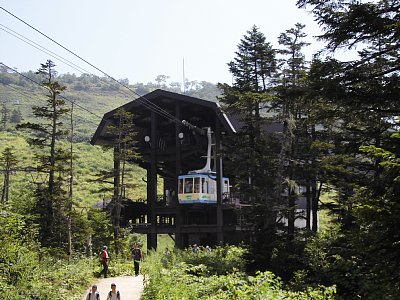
357,103
211,275
30,272
18,251
123,131
254,63
46,134
251,155
8,162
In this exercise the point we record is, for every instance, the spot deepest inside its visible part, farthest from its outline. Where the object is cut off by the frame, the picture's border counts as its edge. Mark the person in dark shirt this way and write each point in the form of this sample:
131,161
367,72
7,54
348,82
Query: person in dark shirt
137,257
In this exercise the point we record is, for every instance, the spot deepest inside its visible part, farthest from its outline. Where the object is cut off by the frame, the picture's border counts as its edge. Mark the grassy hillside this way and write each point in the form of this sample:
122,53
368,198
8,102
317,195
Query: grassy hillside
90,105
93,97
88,162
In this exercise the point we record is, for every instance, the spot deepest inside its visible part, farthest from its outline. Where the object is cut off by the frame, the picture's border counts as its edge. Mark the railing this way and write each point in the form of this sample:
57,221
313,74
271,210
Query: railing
235,199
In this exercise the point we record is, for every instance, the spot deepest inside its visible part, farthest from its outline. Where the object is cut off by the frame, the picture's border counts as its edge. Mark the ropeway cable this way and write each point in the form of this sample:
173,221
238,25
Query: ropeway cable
145,102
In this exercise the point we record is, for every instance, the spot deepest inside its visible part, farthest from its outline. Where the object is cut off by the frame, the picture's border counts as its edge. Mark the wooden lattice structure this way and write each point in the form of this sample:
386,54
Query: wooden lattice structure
171,147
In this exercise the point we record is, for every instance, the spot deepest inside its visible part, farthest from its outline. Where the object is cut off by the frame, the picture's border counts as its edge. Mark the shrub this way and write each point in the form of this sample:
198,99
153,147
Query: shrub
215,275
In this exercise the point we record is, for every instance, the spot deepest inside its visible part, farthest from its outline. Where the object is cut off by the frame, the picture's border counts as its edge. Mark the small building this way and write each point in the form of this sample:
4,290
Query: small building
172,142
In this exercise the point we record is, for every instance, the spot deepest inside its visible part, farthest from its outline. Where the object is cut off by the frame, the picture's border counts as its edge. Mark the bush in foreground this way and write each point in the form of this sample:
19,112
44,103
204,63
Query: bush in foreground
215,275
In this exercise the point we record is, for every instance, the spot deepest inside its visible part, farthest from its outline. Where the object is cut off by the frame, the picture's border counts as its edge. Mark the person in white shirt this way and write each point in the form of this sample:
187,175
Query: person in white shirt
114,294
93,294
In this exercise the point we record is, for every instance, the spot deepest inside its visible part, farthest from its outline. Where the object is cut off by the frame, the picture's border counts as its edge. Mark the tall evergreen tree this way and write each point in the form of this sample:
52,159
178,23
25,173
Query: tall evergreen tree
8,161
16,116
363,97
251,151
5,116
290,103
123,130
254,62
52,158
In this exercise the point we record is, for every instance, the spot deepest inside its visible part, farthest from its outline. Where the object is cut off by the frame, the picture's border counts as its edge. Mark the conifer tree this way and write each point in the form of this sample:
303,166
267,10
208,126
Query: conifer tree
251,151
361,96
16,116
290,103
123,131
8,162
5,116
52,159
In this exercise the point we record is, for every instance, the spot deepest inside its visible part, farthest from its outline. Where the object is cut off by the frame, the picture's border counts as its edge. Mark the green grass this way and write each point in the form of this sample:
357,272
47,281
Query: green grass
218,274
89,160
325,218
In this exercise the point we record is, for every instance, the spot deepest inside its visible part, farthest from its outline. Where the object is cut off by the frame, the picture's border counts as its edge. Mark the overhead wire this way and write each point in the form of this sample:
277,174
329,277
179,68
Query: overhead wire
61,96
25,95
52,54
41,48
49,52
71,101
143,100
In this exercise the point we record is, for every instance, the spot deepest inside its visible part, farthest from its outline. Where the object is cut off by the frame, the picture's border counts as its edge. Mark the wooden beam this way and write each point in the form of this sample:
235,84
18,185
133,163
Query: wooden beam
178,170
220,234
152,184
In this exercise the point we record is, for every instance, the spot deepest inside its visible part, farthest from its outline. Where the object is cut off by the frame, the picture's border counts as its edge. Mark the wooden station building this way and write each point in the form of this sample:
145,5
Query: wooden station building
171,143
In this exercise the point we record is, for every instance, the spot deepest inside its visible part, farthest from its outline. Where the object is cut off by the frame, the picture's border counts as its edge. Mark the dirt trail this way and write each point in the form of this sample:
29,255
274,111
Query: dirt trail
130,287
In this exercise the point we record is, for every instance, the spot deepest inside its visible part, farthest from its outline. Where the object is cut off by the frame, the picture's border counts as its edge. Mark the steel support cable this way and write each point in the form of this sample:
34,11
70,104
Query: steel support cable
30,79
71,101
79,69
151,105
80,119
41,48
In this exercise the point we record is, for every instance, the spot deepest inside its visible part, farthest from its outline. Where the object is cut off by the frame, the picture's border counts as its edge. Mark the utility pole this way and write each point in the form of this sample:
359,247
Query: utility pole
71,181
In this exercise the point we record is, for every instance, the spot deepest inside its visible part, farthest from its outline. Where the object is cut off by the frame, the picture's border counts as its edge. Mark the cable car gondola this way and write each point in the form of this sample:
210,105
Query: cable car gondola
200,186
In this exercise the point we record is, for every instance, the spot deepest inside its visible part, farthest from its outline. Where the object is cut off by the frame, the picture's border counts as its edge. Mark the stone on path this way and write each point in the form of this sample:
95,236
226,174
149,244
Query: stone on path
130,287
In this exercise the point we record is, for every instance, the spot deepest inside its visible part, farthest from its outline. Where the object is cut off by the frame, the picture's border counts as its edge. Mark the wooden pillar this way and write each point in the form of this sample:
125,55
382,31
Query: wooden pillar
116,201
220,234
178,171
152,185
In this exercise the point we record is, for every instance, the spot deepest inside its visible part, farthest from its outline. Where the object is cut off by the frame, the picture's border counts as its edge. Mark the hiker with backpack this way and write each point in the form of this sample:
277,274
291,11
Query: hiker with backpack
93,294
104,261
114,294
137,257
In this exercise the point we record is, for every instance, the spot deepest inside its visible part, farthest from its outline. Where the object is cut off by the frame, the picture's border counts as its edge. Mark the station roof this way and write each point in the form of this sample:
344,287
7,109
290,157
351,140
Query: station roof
198,112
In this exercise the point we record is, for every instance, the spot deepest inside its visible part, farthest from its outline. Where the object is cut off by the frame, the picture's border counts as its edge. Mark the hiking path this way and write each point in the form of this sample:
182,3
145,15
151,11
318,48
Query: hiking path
130,287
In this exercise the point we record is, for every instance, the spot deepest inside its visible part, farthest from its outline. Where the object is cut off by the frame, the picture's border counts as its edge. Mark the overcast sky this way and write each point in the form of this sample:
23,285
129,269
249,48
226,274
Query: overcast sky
140,39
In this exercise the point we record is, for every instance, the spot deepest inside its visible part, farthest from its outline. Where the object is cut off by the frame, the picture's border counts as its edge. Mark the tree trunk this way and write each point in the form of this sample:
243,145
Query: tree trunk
314,199
308,205
116,209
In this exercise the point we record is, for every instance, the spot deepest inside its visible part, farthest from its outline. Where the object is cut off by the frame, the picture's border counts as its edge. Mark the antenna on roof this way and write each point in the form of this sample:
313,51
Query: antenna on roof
183,74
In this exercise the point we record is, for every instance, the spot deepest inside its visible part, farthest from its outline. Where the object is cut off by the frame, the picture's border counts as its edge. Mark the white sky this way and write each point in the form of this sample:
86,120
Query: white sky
140,39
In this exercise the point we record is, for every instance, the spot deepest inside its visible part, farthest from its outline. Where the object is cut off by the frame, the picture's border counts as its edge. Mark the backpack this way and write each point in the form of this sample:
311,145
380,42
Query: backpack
97,295
104,256
109,295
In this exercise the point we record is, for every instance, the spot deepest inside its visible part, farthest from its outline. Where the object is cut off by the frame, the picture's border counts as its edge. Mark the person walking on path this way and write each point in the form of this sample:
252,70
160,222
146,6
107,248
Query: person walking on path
137,258
114,294
130,287
93,294
104,261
